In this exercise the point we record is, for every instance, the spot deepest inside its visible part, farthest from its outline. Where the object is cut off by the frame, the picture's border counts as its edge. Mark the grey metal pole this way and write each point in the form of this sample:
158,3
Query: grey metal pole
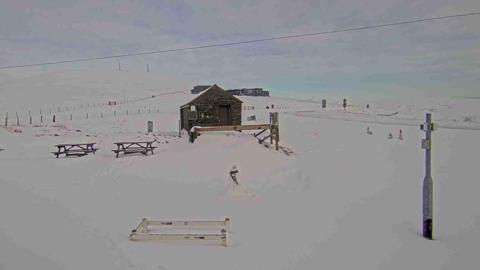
428,127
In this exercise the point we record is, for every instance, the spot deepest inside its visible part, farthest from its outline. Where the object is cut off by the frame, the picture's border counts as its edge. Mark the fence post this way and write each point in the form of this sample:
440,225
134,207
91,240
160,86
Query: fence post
30,116
277,131
41,119
179,128
427,187
6,119
53,118
272,130
18,119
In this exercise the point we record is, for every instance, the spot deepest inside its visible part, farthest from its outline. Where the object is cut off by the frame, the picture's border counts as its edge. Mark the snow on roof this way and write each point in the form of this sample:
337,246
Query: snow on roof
203,92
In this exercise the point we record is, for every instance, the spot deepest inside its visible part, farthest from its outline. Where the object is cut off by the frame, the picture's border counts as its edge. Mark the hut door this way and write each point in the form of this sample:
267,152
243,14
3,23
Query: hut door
224,115
185,119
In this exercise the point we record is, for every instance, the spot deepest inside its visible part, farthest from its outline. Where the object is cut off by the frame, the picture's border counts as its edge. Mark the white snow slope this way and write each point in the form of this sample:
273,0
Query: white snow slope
332,198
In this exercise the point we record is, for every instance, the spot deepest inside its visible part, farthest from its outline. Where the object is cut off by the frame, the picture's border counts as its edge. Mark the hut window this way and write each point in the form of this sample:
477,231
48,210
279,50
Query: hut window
206,115
192,115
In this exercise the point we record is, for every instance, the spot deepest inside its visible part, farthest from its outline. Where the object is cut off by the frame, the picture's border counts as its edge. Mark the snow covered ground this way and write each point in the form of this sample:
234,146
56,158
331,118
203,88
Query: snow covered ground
333,197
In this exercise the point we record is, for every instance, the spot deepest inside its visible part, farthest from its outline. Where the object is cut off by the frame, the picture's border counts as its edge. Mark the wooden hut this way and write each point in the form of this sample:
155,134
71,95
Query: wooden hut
213,107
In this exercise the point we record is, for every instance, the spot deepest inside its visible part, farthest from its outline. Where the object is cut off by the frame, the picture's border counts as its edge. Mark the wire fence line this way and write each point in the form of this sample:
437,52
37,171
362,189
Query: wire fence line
385,120
80,111
64,115
35,120
72,107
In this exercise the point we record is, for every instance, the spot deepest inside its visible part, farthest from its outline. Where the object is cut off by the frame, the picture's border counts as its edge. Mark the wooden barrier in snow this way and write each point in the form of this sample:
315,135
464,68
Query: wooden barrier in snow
144,230
273,127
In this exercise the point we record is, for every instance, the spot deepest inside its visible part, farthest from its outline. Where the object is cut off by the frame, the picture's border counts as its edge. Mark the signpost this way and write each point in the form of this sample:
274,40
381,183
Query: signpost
150,126
427,127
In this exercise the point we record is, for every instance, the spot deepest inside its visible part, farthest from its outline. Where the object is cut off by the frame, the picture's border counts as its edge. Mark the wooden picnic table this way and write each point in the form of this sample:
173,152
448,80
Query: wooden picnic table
142,147
75,149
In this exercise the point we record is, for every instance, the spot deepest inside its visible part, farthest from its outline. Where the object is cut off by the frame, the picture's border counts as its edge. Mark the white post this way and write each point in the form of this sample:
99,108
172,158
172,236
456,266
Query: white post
227,224
224,237
144,228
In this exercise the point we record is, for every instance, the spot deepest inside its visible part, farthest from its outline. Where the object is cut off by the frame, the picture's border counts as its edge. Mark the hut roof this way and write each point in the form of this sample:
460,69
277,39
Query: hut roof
211,88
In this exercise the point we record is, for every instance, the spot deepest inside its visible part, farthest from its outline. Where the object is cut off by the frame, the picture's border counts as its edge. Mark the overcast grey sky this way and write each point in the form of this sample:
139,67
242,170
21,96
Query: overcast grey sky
437,57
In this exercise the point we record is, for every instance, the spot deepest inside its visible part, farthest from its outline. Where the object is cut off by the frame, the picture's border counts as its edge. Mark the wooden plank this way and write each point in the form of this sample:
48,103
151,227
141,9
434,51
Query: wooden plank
76,154
232,128
272,130
221,237
192,223
139,148
277,137
127,151
81,150
133,142
256,134
262,140
73,144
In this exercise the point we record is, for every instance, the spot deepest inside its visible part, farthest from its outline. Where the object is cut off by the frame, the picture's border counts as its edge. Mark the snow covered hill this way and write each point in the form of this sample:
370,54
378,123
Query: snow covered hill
333,197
